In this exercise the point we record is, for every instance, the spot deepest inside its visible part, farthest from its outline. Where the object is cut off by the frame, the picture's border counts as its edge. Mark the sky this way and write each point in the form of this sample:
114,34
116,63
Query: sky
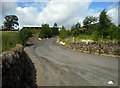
64,13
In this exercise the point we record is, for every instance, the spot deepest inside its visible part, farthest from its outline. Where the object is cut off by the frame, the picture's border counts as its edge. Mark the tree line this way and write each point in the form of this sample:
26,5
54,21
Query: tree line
48,32
97,27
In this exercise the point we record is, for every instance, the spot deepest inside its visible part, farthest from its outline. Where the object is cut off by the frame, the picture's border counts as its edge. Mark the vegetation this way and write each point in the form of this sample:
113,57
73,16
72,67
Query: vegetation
63,33
23,36
104,24
9,40
47,32
76,29
89,20
54,30
10,22
35,32
94,28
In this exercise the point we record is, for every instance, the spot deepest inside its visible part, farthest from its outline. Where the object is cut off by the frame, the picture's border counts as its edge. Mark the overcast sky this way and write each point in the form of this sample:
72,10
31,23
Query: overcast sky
63,13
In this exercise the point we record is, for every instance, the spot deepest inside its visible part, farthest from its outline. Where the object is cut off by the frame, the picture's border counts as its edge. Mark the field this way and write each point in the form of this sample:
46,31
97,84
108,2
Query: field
8,40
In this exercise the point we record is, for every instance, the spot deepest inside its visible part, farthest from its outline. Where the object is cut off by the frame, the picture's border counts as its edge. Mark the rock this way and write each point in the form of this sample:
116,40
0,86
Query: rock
39,38
112,48
62,43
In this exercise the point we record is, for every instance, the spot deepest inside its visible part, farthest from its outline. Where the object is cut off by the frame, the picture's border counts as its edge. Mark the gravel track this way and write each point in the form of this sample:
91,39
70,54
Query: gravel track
61,66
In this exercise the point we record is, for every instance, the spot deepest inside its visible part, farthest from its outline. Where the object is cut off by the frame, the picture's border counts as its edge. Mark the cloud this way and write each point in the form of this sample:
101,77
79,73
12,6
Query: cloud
27,15
0,14
63,13
94,12
113,13
37,5
8,8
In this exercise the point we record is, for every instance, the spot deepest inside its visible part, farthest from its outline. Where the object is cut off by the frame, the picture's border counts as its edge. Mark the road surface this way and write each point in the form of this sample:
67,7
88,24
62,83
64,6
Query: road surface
60,66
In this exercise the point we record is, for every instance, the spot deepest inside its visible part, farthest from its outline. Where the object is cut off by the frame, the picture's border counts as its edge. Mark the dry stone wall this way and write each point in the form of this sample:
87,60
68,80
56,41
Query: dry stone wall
18,71
109,48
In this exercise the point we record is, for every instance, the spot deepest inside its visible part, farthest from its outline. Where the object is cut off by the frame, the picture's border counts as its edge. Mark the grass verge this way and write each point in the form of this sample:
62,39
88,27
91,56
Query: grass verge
9,40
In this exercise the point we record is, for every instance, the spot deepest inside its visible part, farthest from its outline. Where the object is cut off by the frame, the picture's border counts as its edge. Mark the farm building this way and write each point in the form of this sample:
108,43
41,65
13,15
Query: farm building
36,27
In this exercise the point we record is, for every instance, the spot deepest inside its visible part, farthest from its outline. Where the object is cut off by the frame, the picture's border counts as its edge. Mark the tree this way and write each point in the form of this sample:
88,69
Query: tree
89,23
55,30
76,29
23,36
55,24
69,33
63,33
104,24
45,31
89,20
114,32
77,26
10,22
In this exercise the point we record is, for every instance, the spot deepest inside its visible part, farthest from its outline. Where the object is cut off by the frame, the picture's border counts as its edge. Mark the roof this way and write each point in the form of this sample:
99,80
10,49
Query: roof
32,26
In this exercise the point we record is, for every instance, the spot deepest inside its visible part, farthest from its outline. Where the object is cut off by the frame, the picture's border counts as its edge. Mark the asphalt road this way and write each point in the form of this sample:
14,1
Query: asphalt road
61,66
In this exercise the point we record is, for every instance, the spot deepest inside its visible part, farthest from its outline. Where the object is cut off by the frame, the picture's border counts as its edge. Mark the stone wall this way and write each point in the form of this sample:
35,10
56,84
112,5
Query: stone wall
18,71
108,48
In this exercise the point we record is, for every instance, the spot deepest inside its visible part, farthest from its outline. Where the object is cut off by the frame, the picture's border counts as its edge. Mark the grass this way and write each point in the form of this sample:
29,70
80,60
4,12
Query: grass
8,40
77,39
35,33
67,41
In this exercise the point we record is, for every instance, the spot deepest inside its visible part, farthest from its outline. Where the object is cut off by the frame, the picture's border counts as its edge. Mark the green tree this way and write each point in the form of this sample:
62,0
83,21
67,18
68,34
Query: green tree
10,22
23,36
69,33
89,20
76,29
55,30
89,23
45,31
114,32
118,33
55,24
104,24
77,26
63,33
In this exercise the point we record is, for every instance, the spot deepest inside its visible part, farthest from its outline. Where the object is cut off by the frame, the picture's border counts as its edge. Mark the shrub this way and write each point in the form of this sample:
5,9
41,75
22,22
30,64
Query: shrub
45,31
35,32
23,36
95,36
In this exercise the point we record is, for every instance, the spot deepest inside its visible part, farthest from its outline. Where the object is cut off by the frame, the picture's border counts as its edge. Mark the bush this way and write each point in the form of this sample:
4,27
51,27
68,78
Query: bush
23,36
35,32
63,33
116,33
95,36
45,31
